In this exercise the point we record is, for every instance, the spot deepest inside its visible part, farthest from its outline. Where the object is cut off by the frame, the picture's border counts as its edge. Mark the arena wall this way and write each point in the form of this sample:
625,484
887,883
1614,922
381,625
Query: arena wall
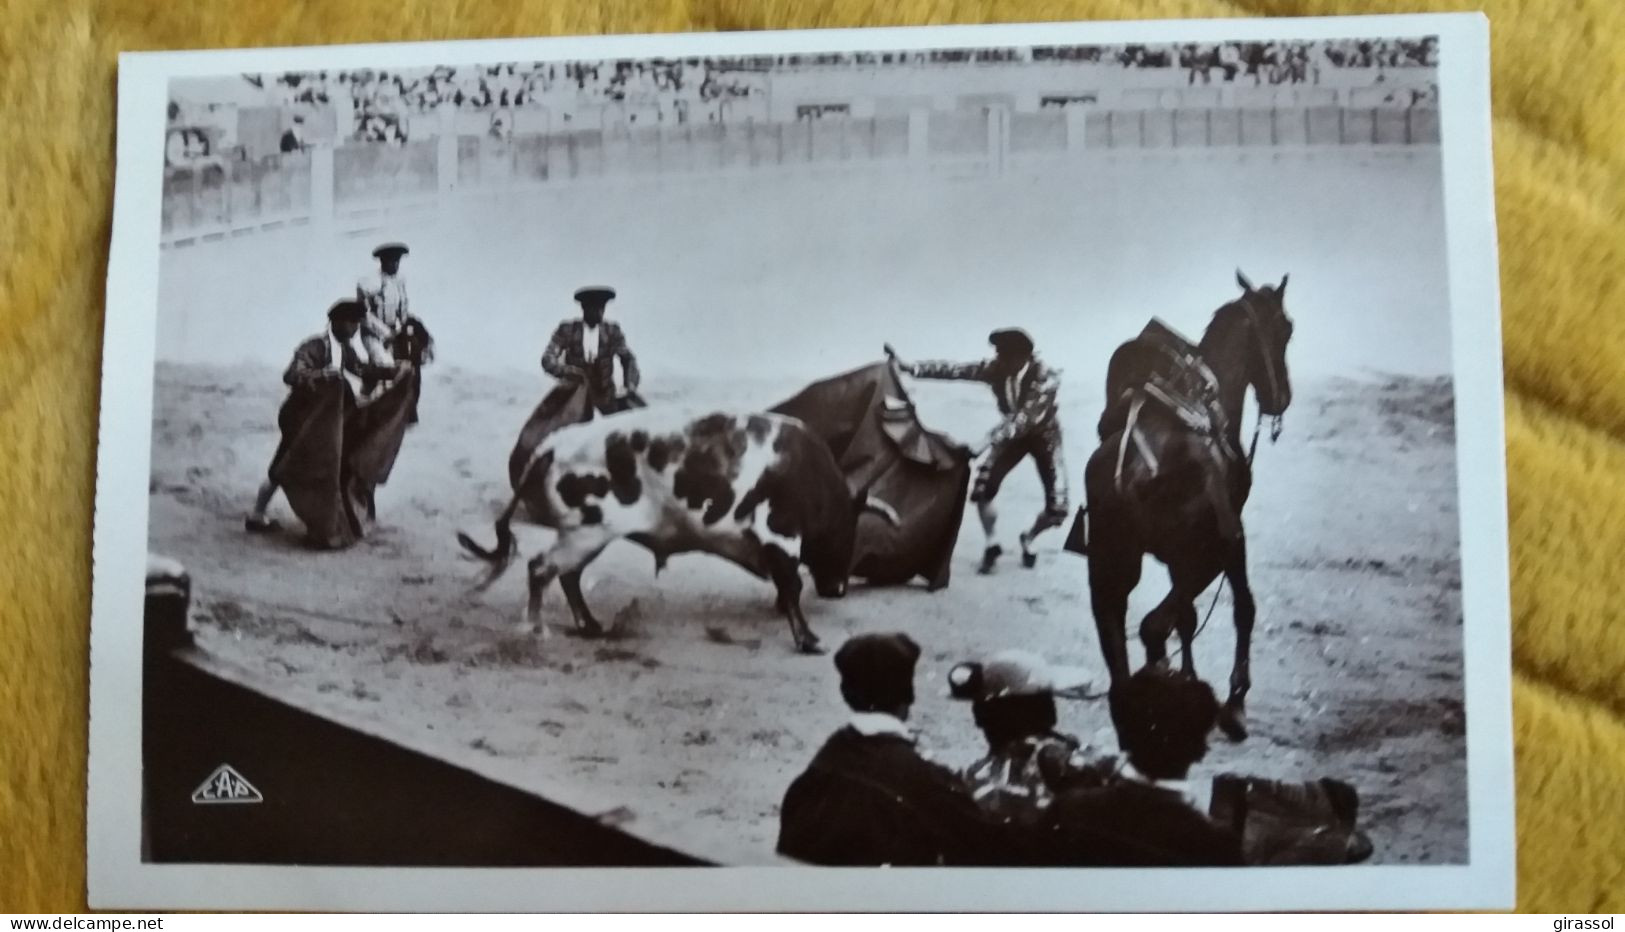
337,185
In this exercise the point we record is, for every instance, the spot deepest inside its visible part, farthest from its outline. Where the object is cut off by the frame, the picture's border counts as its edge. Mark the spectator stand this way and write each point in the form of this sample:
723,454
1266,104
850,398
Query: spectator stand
342,147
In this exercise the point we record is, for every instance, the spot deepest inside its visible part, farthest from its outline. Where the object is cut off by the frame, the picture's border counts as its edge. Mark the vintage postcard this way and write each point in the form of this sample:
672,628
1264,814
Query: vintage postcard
1060,465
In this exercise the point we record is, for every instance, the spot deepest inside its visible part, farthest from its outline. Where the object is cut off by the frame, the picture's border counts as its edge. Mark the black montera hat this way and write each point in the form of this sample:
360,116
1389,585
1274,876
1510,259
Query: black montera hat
390,249
346,309
1011,340
595,291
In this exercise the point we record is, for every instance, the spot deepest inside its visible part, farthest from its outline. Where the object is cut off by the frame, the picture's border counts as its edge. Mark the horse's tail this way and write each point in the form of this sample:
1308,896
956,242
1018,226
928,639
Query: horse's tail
501,555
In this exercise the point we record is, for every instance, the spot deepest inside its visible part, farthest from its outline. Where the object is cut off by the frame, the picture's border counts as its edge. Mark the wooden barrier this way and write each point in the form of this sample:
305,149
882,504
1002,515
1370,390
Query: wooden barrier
329,793
318,187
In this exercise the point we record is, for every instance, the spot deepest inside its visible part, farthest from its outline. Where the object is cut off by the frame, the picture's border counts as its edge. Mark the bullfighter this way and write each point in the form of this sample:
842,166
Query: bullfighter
319,360
585,350
1025,390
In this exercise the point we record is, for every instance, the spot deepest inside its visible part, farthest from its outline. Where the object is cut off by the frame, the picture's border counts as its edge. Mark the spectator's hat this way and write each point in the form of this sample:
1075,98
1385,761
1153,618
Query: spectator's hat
877,670
390,249
1012,673
1011,340
346,309
595,293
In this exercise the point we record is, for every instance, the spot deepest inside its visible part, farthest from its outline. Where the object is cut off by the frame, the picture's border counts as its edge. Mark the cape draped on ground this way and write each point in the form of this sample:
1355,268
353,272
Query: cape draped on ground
907,471
334,454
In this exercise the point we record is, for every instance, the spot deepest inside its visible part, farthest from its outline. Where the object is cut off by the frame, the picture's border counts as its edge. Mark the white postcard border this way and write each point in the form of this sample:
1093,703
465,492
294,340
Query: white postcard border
117,877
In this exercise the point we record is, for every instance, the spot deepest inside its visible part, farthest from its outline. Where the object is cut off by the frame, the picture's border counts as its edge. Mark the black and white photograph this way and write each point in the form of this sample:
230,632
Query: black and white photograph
1070,452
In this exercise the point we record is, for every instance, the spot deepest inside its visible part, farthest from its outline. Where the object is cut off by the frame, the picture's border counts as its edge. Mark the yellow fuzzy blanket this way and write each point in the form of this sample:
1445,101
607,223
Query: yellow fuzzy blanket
1559,88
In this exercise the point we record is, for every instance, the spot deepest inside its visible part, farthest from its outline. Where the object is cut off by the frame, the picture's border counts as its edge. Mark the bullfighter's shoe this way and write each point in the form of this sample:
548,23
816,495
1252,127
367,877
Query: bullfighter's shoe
990,556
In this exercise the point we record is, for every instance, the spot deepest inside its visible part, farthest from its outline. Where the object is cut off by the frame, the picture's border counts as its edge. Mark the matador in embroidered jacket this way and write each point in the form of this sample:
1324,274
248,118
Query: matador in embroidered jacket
1026,391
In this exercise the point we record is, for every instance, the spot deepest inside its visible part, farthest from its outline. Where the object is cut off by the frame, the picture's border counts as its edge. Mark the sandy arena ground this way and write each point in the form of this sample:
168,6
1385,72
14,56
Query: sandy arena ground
698,714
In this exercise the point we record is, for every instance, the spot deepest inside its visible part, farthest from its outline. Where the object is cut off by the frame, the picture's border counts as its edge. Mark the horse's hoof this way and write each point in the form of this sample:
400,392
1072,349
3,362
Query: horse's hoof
1232,722
810,646
1029,560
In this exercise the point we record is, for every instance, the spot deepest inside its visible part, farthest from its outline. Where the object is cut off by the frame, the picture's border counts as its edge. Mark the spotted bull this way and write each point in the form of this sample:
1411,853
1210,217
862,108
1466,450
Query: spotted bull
760,490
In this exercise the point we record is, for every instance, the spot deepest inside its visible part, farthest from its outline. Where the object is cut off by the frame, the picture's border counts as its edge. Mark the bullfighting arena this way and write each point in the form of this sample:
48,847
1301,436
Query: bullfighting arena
688,723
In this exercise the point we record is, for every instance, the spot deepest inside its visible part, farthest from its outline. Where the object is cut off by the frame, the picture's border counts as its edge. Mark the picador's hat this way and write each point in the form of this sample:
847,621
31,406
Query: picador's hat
1011,340
599,292
346,309
1013,673
390,249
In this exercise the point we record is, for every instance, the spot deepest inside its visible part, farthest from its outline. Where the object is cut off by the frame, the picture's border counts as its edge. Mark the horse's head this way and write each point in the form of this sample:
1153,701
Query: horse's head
1272,331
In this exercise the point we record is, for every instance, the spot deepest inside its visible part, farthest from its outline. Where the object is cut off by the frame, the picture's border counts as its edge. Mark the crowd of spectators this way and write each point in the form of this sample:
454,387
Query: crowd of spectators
382,103
1296,62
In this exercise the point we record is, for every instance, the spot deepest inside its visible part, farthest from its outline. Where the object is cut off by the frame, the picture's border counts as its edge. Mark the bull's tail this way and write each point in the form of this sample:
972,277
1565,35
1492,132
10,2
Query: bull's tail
506,547
501,555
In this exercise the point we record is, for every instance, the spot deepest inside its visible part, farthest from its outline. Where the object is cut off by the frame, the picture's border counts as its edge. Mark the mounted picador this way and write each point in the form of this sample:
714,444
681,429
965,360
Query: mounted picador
1170,477
1025,390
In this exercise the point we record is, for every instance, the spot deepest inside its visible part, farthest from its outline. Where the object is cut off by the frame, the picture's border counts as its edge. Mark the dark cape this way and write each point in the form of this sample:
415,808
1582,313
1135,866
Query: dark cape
867,801
334,454
907,471
567,403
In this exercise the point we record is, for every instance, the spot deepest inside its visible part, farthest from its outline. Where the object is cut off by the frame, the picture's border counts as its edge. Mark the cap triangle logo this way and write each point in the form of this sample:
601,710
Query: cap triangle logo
226,785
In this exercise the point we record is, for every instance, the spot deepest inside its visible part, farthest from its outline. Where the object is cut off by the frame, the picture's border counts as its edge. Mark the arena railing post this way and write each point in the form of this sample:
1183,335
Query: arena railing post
321,189
445,151
919,139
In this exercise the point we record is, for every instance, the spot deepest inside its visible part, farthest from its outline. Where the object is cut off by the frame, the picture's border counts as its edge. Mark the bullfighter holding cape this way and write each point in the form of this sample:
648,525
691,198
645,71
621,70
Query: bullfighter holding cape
336,448
583,355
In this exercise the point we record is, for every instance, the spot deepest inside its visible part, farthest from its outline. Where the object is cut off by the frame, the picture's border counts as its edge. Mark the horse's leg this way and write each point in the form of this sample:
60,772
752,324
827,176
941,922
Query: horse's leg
1114,556
1157,625
1188,584
1114,571
1232,718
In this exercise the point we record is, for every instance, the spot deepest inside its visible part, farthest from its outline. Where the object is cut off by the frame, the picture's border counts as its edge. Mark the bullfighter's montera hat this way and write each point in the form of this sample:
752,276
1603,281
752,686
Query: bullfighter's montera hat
1011,340
390,249
346,309
603,292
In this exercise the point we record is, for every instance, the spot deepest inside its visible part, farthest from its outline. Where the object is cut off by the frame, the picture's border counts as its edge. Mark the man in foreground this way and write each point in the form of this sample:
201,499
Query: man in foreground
869,797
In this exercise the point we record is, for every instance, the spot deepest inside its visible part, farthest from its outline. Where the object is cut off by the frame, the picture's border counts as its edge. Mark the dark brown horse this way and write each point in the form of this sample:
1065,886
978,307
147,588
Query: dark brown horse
1175,490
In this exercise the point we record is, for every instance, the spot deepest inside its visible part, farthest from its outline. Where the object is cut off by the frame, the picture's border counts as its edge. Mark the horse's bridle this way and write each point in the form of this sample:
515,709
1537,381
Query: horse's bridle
1269,371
